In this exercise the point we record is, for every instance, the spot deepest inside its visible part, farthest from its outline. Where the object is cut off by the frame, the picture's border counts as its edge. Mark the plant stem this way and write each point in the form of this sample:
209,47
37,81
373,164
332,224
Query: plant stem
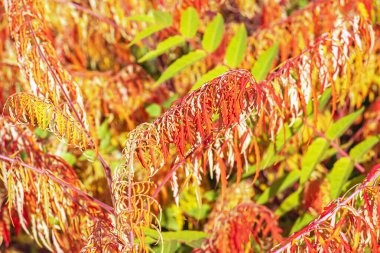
94,14
314,224
59,181
338,148
106,167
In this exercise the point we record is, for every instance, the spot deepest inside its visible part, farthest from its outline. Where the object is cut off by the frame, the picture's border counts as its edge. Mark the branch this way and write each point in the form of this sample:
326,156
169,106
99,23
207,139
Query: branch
338,148
293,244
60,182
94,14
106,167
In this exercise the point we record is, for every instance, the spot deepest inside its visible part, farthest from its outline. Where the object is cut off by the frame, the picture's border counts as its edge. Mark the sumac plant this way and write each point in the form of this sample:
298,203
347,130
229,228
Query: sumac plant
190,126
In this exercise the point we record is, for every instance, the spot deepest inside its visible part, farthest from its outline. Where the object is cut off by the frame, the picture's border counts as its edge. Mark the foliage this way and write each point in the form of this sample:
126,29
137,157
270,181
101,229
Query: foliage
178,126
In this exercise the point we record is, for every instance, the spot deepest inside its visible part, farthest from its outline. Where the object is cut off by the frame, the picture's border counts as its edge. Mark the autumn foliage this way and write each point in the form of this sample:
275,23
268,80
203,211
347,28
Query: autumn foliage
190,126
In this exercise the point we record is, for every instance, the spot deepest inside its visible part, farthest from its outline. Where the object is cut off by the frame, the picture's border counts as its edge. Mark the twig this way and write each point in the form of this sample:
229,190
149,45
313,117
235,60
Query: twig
59,181
338,148
94,14
327,215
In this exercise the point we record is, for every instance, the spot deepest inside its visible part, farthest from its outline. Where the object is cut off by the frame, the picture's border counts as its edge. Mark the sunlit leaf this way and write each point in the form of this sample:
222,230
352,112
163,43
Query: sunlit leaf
167,103
339,174
343,168
291,202
189,22
316,151
69,158
340,126
215,72
41,133
154,110
180,64
279,186
264,63
141,18
363,147
312,158
162,21
301,222
163,47
236,48
213,34
191,238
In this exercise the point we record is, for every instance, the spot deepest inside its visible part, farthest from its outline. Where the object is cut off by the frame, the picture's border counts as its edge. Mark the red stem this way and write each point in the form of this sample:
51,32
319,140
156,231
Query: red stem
326,216
60,182
339,149
92,13
106,167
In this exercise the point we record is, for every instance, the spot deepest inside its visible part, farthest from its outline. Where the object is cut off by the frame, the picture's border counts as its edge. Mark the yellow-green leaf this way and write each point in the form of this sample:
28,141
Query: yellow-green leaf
278,186
291,202
264,63
341,125
213,34
363,147
162,19
189,22
162,47
236,48
312,158
301,222
215,72
180,64
343,168
154,110
339,175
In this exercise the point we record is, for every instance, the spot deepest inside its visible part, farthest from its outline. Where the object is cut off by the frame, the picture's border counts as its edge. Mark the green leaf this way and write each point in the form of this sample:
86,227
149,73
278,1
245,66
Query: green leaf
291,202
353,182
88,155
41,133
339,174
236,48
69,158
162,17
271,157
170,247
215,72
325,97
184,236
167,103
286,133
278,186
173,218
363,147
340,126
264,63
103,130
141,18
342,169
189,22
213,34
317,150
162,21
301,222
162,47
312,158
302,3
196,244
190,237
180,64
154,110
147,32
